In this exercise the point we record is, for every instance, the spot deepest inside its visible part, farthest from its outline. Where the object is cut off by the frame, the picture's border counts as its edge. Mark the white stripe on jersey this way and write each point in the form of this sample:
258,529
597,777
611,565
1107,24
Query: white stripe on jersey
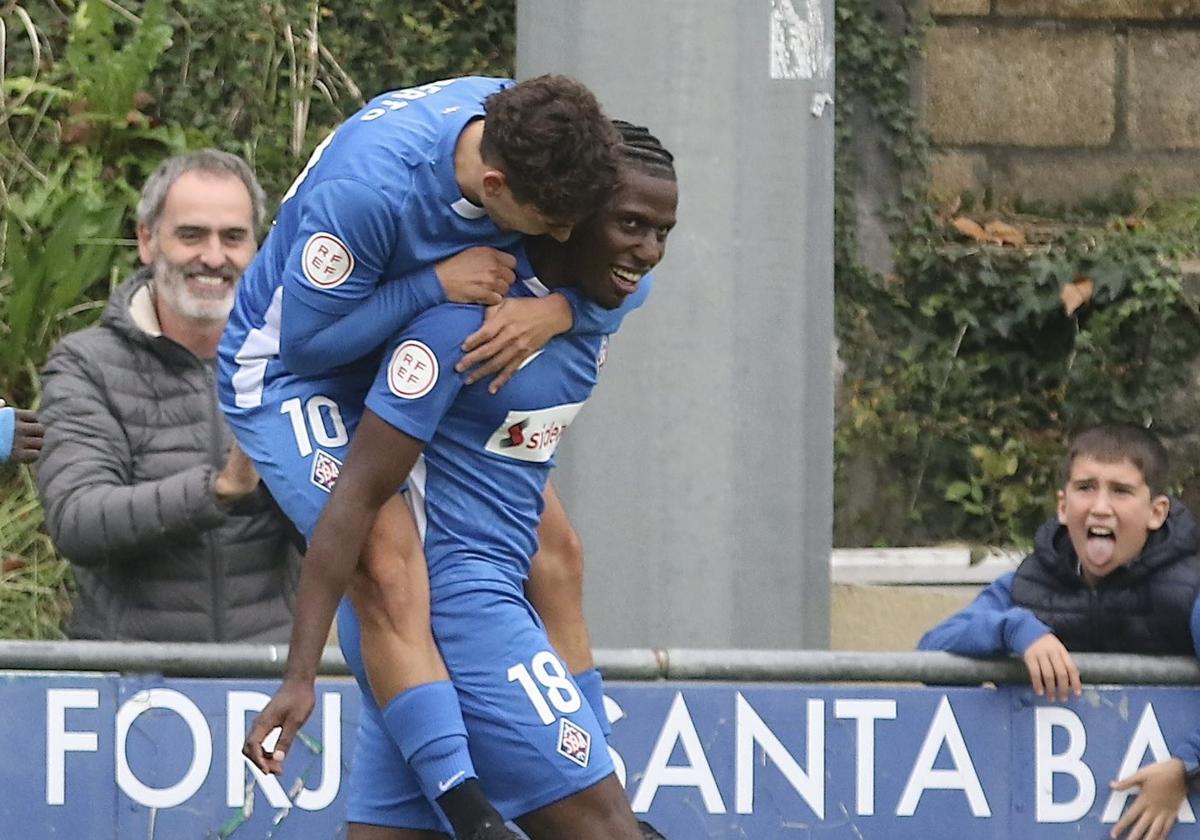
261,345
416,496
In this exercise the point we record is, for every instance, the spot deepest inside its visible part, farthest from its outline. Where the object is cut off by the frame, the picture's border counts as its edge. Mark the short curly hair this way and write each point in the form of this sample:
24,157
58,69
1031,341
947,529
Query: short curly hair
552,140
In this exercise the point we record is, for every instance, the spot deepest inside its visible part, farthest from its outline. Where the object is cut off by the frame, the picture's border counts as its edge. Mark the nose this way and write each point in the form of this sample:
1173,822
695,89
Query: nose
213,253
1103,502
649,249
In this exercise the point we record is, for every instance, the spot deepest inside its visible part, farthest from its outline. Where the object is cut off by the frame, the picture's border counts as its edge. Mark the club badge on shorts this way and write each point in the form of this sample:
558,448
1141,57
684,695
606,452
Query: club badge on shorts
574,742
325,470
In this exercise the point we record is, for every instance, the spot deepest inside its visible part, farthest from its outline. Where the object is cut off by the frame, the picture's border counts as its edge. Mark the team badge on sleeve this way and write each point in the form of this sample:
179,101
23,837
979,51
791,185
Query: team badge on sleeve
574,742
327,261
413,370
325,470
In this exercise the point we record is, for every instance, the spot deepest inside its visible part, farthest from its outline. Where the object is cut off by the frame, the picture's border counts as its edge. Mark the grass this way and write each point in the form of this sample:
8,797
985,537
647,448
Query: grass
34,581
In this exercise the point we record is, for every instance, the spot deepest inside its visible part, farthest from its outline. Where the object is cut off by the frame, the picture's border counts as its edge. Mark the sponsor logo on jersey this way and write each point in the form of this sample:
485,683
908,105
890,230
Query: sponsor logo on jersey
574,742
602,353
413,370
325,470
533,435
327,261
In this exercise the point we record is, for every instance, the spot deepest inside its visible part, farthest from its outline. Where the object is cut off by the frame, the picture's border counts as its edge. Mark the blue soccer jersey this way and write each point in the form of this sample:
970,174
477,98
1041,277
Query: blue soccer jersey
477,489
476,493
378,200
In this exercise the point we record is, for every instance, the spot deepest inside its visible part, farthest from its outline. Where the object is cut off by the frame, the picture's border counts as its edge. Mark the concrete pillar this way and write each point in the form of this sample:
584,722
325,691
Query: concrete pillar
700,475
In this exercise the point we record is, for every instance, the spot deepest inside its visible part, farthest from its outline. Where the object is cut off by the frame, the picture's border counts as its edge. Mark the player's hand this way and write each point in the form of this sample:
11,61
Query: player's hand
513,331
28,434
237,478
1052,672
287,711
477,275
1154,811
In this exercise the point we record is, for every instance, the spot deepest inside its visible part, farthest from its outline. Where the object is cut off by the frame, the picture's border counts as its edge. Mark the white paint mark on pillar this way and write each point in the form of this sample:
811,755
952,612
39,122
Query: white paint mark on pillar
799,49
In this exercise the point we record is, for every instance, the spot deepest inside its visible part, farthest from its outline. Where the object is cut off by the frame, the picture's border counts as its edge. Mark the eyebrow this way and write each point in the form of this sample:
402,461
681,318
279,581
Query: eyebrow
181,229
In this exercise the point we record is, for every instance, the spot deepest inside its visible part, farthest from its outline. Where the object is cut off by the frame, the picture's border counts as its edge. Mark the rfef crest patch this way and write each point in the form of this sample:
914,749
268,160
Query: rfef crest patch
326,260
574,742
325,470
413,370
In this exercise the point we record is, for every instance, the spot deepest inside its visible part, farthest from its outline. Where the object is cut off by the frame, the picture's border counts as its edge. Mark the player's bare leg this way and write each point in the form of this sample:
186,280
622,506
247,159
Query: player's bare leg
407,677
390,594
362,831
555,585
600,812
555,588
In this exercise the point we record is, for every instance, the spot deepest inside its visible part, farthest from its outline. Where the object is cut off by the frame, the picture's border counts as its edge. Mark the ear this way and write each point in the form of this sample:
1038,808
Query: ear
1062,508
144,240
1160,506
494,181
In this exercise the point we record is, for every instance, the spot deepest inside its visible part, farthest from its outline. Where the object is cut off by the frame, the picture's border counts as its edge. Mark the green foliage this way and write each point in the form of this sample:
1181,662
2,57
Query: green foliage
968,375
964,373
79,147
95,93
34,583
297,68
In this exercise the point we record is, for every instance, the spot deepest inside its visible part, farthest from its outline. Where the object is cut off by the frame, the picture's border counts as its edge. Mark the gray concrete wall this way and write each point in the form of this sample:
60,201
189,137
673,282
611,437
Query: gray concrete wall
700,475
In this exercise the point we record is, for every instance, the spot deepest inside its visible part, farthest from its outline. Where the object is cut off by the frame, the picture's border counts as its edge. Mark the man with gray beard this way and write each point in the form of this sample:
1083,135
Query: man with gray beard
168,530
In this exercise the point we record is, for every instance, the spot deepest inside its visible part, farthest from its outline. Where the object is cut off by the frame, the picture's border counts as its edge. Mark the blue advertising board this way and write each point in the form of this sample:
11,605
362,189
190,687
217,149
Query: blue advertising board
103,757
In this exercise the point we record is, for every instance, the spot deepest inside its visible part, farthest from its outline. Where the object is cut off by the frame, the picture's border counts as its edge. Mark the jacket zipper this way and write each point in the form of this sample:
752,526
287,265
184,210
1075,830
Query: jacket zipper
218,572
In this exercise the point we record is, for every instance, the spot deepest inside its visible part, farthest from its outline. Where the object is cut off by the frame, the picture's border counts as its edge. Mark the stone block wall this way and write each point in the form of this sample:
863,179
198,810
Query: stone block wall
1063,101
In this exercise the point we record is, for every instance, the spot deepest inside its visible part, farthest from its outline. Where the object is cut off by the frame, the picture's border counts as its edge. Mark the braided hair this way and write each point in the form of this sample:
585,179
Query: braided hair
642,149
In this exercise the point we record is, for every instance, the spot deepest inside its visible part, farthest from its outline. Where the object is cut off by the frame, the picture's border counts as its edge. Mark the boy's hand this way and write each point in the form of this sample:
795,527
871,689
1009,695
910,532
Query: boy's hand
477,275
512,332
1153,813
1052,672
27,437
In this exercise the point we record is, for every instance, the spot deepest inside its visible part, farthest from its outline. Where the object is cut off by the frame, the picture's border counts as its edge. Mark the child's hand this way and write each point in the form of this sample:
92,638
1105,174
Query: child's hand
1052,672
1153,813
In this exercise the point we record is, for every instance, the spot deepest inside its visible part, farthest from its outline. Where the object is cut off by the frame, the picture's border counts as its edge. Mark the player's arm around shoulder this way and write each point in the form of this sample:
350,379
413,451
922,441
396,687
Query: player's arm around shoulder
341,249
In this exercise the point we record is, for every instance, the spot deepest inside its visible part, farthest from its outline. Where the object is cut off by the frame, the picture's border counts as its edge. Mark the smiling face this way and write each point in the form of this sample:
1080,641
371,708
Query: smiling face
611,251
1108,511
200,246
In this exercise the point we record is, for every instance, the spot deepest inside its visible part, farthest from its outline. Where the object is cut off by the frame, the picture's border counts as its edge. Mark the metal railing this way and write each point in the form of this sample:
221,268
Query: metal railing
804,666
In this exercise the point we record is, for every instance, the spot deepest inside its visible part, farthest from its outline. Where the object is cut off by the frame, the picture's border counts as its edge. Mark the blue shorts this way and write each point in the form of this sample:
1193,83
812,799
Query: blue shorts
534,739
298,438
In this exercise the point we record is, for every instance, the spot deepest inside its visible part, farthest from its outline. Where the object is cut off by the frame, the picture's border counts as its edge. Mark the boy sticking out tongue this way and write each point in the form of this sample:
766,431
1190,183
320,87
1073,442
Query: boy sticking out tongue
1117,570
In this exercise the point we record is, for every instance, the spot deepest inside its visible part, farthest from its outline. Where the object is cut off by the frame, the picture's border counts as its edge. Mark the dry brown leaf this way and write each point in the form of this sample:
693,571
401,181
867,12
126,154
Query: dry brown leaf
1003,233
1076,293
970,228
950,208
14,563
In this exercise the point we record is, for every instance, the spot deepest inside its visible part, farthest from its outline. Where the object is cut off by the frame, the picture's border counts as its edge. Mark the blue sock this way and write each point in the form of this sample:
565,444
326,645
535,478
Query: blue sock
427,725
592,686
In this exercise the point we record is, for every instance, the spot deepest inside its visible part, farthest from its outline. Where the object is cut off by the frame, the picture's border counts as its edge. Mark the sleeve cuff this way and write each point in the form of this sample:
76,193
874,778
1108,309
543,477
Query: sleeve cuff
574,301
8,425
427,287
1027,630
1188,751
